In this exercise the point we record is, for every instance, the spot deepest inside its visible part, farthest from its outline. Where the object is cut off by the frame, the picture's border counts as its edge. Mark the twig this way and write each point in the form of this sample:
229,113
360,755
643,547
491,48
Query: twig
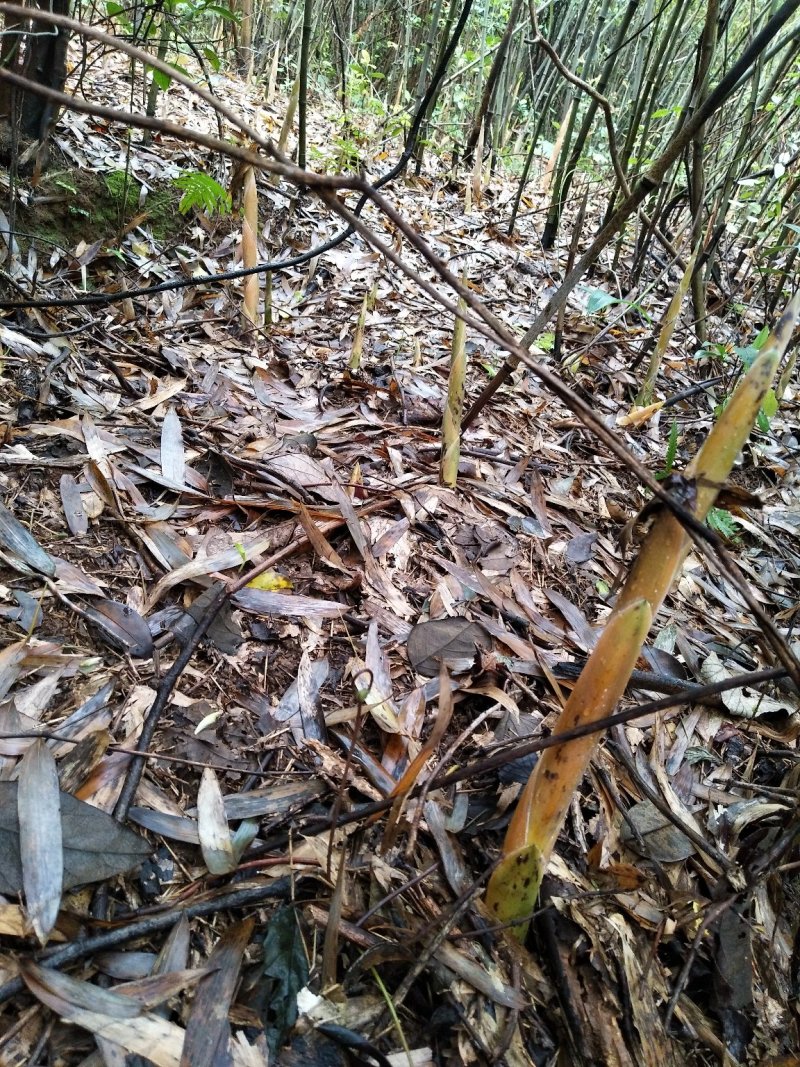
712,913
243,897
500,759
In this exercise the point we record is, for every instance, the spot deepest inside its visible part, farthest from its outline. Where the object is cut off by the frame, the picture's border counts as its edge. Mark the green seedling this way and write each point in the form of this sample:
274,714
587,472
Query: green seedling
202,192
672,451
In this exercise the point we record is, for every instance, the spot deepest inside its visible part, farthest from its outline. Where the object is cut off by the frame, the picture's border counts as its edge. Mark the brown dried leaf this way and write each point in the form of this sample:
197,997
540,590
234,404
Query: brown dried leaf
76,766
586,636
107,1015
454,642
207,1029
319,541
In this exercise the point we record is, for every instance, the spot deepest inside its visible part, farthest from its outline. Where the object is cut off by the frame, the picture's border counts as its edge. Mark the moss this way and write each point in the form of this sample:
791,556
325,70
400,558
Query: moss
70,206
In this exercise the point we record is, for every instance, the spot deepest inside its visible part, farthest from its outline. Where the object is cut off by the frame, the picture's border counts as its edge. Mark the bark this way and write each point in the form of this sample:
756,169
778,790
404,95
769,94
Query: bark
37,51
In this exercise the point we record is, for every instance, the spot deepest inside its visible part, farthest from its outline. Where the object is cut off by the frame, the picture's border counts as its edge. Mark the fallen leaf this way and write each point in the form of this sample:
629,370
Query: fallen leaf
212,826
41,859
454,642
95,846
173,455
23,546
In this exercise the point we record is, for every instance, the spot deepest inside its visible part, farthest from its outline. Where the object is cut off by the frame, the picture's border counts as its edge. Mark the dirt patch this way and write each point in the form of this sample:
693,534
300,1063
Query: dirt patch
70,206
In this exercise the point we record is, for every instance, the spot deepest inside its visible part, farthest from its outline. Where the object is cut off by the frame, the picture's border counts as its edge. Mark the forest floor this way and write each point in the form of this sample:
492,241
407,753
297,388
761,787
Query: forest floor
153,450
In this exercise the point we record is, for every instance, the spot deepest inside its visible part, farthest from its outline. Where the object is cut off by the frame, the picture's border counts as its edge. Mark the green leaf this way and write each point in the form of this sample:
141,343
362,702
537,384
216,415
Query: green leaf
212,58
161,79
221,12
285,972
599,299
760,341
113,8
201,191
723,523
770,405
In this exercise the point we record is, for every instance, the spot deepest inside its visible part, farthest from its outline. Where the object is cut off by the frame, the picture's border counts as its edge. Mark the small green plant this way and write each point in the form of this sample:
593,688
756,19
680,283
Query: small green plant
714,352
202,192
722,351
747,355
598,300
120,188
723,523
67,186
362,76
348,156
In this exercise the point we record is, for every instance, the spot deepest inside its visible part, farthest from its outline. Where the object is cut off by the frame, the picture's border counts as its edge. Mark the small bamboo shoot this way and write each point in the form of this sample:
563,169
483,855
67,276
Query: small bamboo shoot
451,423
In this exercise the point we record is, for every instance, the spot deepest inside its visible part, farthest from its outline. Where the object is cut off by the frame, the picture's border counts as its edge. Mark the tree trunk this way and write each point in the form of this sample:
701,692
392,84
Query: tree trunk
491,82
244,47
38,52
302,76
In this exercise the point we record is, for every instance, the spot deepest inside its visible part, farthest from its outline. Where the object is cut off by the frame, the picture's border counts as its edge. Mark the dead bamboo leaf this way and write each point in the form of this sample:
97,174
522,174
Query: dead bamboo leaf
12,658
94,845
207,1028
212,826
40,851
261,602
22,546
319,541
376,677
107,1015
173,454
77,519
